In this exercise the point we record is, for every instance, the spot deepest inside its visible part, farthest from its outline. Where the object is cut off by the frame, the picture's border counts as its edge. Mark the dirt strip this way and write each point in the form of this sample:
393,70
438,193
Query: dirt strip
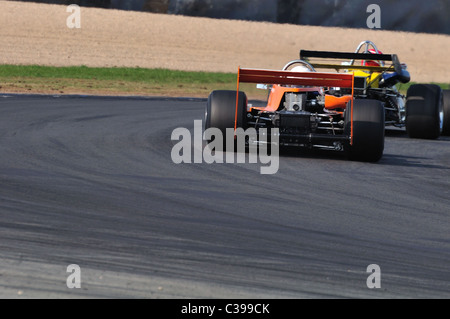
37,34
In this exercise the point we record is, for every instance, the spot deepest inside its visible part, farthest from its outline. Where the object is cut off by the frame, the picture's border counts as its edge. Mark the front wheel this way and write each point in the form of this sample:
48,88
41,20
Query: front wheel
368,130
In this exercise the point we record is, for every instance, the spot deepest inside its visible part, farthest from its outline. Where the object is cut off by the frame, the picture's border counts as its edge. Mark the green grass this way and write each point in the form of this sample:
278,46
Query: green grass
115,74
137,81
128,81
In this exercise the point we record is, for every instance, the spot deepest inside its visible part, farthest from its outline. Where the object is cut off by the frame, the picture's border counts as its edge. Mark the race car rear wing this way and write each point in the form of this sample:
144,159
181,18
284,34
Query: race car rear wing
322,79
345,55
305,54
318,79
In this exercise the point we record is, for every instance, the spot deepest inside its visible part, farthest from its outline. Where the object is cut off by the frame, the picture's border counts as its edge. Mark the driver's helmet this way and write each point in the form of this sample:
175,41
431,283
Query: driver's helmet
373,63
300,68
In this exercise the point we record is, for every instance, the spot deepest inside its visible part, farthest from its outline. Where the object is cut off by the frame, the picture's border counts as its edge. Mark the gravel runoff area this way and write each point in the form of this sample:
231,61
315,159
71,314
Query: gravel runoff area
38,34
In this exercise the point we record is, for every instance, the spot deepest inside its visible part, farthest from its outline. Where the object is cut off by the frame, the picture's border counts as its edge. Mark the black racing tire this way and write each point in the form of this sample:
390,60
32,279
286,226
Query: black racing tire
221,110
368,130
424,104
446,107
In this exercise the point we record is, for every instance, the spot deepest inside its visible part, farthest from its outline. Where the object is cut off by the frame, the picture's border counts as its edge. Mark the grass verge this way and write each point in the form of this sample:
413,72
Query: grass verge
122,81
113,81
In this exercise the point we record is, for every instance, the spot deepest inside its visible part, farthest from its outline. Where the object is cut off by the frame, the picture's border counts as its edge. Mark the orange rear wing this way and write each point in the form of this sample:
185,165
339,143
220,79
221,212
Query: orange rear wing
318,79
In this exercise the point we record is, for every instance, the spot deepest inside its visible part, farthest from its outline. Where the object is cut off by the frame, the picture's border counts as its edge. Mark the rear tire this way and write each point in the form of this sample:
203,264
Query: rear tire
446,107
368,130
221,110
424,113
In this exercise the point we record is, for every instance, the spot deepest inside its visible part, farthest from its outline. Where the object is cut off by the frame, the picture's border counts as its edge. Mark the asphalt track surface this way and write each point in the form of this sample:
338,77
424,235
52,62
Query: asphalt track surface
90,181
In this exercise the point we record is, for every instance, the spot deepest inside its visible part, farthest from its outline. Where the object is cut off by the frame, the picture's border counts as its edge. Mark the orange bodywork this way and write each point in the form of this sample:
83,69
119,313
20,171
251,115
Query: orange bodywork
333,102
276,94
310,81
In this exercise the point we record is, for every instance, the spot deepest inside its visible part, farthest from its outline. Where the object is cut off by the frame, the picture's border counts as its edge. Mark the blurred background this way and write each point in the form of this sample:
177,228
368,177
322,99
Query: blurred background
430,16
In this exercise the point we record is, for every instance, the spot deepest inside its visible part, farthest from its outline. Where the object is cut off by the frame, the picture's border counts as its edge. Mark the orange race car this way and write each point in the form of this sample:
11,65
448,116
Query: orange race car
346,110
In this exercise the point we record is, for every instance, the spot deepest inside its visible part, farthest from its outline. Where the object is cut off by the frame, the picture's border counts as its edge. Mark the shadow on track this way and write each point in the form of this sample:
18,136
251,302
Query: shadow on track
408,161
312,153
386,160
401,133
